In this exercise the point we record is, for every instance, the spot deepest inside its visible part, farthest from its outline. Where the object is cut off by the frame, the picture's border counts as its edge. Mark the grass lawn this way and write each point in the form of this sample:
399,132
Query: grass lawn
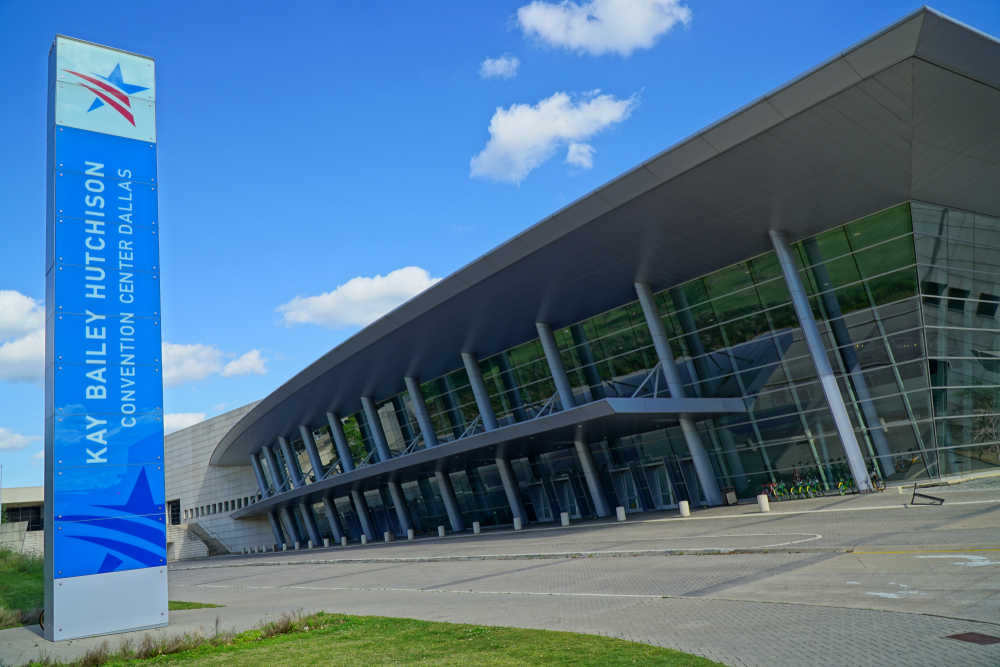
336,639
22,589
177,605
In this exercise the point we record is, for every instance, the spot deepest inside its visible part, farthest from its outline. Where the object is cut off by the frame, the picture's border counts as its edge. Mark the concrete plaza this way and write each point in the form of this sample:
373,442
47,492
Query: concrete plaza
852,580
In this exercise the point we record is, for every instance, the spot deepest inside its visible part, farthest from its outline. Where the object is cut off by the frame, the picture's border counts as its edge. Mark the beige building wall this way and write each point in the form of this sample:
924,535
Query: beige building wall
208,494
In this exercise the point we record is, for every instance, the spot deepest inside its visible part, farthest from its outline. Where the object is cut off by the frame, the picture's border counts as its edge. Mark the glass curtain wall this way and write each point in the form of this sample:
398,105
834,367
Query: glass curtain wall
907,304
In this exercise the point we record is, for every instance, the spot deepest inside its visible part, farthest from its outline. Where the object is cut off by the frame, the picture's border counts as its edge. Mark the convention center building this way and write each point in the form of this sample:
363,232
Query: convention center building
809,286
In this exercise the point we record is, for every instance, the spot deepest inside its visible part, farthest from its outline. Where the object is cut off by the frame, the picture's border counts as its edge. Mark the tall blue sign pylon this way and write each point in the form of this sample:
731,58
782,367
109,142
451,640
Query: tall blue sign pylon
105,520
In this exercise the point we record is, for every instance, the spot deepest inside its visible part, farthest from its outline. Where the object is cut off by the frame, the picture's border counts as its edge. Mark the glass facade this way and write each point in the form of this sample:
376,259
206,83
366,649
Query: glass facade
906,301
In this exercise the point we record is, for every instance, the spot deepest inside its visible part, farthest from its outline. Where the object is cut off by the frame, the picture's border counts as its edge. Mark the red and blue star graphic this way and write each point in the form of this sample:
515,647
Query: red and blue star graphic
110,89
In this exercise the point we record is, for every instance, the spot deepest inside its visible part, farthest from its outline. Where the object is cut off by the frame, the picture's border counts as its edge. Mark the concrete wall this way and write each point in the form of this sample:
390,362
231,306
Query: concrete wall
182,544
17,537
204,488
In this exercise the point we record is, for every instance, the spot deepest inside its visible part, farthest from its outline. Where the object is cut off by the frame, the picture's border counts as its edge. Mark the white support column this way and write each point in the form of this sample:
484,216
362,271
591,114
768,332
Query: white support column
556,365
702,465
511,489
291,462
479,391
420,409
361,505
447,490
402,507
333,518
312,452
310,520
279,536
593,477
340,440
375,428
817,352
258,472
277,474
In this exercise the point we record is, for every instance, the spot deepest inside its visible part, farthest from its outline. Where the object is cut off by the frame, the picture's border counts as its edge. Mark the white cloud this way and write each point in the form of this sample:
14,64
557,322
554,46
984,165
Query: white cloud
524,136
359,301
504,67
189,363
580,155
19,314
22,338
178,420
11,442
251,363
602,26
38,459
23,359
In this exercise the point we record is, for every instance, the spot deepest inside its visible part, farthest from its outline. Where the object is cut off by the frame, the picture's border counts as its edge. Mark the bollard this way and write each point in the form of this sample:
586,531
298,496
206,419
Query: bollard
343,541
763,503
410,534
475,528
517,523
564,517
326,542
364,539
440,531
284,546
621,513
390,536
310,543
684,507
298,545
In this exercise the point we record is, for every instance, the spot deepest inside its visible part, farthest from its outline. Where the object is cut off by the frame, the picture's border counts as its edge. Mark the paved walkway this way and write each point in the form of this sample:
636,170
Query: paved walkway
845,581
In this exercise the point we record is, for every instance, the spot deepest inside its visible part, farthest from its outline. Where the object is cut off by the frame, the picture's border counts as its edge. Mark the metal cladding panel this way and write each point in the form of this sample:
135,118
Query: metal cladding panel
868,129
104,480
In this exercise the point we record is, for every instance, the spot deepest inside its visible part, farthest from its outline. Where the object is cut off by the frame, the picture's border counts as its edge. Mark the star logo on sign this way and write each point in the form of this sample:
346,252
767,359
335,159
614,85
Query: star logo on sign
111,90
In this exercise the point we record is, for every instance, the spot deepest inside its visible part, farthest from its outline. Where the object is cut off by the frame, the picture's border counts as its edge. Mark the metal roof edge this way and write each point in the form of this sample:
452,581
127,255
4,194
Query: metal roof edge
691,152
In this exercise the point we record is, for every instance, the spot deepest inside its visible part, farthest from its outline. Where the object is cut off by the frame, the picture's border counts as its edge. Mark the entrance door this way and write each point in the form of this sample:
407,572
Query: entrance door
659,486
567,497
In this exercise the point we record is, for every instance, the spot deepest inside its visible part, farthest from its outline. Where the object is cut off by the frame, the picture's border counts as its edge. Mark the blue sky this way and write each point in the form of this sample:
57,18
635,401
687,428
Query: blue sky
305,147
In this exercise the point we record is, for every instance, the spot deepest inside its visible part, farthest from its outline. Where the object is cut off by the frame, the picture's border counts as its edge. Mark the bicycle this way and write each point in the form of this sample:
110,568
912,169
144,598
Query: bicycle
877,483
903,463
845,485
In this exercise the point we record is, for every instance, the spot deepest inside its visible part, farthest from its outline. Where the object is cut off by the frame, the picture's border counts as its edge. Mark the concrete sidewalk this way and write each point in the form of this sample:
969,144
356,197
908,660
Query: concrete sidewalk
830,577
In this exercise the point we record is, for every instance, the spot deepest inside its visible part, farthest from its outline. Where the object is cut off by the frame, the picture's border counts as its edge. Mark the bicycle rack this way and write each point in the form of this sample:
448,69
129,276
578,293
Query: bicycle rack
934,500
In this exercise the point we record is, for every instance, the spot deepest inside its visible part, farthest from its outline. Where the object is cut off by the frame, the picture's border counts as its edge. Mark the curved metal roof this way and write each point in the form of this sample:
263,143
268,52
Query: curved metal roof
862,131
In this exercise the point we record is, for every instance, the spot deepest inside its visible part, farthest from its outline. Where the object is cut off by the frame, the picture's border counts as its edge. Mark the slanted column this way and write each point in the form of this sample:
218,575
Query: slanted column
511,388
277,474
817,352
291,527
279,536
375,428
309,518
340,440
312,452
291,462
420,409
480,391
556,365
402,507
849,356
593,478
702,465
361,505
447,490
333,517
258,472
511,489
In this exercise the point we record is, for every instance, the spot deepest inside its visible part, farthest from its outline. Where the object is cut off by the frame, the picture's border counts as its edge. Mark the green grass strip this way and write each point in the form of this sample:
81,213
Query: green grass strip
337,639
178,605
